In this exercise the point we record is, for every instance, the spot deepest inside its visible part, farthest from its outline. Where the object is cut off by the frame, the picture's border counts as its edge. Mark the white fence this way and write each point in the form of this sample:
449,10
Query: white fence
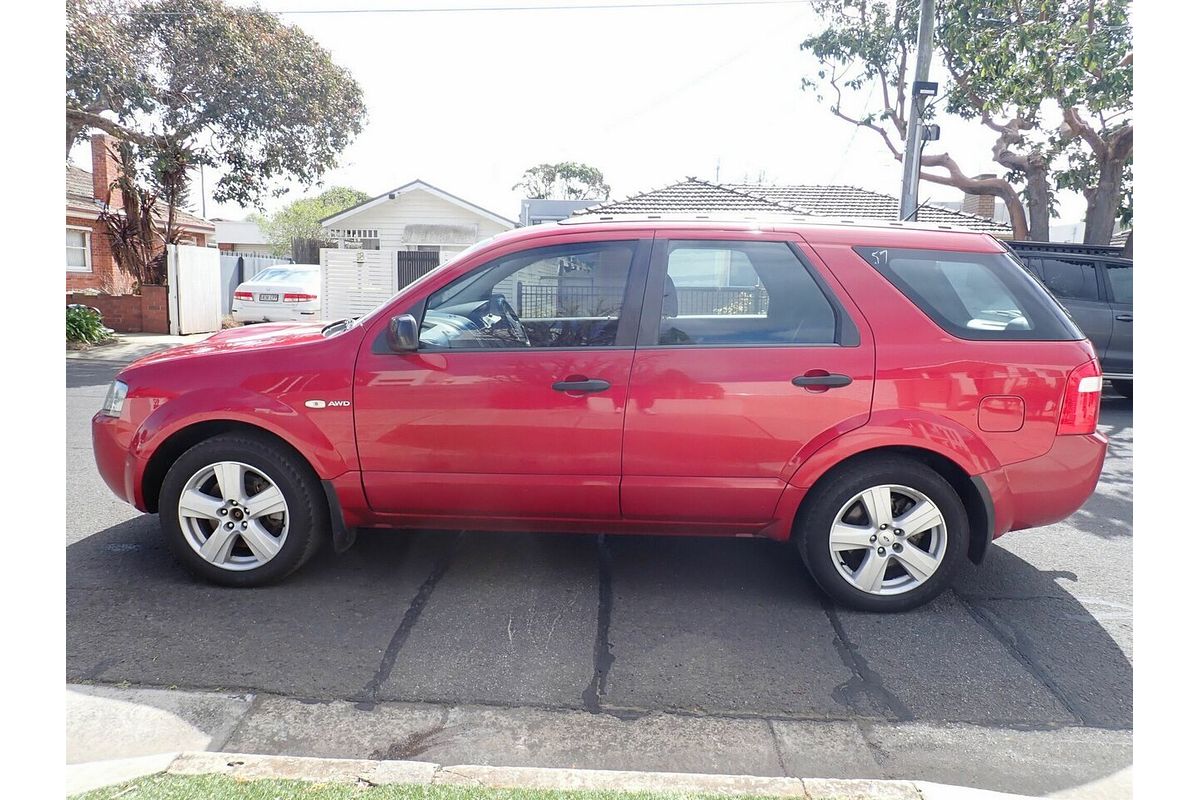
354,282
193,289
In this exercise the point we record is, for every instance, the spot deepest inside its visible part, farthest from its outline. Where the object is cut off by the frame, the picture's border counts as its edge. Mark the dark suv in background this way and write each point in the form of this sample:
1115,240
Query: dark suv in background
1095,284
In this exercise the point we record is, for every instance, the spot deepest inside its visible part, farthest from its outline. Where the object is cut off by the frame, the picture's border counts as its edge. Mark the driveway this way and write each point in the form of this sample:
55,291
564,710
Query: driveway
1034,643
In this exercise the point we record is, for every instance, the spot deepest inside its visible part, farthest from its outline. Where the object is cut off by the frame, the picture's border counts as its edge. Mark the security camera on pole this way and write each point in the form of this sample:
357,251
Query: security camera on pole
922,90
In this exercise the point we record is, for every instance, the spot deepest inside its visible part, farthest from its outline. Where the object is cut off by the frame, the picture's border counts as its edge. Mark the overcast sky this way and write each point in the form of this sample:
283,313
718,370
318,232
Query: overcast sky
468,100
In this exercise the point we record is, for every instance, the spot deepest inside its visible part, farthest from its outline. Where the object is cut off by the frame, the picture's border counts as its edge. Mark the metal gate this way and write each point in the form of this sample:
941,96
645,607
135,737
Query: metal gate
193,289
412,264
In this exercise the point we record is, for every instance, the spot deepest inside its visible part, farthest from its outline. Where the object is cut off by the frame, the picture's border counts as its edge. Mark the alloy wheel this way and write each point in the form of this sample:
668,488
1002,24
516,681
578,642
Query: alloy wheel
234,516
888,540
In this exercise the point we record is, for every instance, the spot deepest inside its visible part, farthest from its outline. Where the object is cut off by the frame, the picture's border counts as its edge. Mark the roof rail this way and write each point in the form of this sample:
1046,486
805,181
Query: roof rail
771,217
1075,248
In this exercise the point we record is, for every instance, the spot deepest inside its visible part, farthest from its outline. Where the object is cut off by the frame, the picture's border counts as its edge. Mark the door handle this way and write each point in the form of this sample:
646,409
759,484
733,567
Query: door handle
1125,317
828,381
586,385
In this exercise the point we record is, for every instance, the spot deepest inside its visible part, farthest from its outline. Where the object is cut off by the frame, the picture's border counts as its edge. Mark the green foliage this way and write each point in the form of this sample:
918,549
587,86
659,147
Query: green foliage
1012,59
84,324
301,219
198,82
566,180
106,70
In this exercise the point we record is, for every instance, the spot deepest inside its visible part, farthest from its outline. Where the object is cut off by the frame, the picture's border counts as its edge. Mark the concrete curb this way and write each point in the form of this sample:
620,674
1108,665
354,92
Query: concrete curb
85,777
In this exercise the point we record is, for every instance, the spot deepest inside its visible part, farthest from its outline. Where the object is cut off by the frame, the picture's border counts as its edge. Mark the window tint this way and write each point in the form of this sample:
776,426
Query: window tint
1070,279
726,292
974,295
1120,278
567,296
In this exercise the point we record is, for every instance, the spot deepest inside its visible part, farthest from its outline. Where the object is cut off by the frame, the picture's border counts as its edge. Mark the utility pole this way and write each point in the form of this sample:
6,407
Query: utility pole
921,90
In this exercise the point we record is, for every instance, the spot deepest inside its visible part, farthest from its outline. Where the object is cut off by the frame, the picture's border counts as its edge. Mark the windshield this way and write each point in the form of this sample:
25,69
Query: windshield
302,272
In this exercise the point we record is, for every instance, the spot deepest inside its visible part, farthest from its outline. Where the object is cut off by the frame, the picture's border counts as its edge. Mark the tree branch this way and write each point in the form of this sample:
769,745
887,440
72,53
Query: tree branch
86,119
996,187
1074,126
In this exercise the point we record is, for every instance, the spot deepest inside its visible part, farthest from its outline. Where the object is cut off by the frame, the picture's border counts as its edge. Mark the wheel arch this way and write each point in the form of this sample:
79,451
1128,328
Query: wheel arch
975,496
186,437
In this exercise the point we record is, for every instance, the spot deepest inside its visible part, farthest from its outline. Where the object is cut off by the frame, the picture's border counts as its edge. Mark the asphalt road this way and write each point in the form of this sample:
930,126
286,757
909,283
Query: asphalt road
1038,637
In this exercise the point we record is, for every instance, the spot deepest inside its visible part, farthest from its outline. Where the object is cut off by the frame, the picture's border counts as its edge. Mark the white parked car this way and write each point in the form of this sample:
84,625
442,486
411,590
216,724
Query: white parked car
283,293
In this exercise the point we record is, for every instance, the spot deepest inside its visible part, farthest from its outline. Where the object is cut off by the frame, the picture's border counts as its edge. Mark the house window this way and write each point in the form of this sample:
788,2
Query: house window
356,238
79,250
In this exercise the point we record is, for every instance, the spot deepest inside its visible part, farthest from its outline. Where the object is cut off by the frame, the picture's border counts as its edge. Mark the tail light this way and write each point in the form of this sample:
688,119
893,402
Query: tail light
1081,404
243,296
296,297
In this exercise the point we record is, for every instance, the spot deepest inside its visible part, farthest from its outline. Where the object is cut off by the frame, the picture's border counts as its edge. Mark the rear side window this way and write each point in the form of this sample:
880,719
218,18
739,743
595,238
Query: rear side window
742,293
982,296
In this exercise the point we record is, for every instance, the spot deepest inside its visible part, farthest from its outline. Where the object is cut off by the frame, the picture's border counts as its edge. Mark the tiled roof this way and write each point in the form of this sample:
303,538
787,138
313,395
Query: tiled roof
79,184
79,191
698,196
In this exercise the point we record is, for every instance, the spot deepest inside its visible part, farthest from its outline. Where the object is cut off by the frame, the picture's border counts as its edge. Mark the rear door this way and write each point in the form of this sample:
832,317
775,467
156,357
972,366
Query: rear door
1118,358
1075,281
745,357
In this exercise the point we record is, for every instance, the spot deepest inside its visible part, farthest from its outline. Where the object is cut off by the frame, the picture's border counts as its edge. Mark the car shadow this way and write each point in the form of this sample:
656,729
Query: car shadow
692,623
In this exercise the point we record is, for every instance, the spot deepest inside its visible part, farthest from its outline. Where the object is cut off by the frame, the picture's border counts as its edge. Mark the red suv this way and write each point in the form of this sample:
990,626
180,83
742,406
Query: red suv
887,399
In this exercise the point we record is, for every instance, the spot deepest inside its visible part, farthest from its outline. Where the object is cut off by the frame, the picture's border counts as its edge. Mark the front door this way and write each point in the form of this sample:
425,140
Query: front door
745,356
514,403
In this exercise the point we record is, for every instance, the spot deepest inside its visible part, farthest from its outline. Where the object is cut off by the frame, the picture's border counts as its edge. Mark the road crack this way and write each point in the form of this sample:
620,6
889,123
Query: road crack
602,657
368,697
865,681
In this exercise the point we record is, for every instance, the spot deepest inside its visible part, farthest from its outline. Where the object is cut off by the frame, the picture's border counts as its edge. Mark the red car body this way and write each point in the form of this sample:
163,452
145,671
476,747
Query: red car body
710,440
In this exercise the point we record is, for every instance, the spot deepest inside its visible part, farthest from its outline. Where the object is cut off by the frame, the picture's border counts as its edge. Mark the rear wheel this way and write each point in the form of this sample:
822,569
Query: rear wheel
883,534
242,510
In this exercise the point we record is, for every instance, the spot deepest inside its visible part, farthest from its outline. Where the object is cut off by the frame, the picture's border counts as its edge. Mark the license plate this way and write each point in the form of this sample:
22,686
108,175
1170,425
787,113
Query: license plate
268,298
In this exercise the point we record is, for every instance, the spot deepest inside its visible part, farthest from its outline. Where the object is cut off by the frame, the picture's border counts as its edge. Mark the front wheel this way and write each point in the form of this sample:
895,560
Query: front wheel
242,510
883,534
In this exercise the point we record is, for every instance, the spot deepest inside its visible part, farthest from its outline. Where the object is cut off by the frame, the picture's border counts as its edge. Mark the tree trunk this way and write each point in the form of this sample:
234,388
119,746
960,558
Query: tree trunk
1037,182
1103,203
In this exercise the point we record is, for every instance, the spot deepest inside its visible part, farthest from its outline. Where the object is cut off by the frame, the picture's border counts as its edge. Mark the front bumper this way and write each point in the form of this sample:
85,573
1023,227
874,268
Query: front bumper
1049,488
120,469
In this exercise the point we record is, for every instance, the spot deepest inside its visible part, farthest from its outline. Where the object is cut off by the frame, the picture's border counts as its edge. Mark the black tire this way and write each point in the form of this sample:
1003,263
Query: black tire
1124,388
308,513
821,507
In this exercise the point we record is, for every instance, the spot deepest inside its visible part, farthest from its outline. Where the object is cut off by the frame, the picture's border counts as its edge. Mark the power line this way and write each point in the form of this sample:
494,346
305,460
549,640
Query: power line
485,9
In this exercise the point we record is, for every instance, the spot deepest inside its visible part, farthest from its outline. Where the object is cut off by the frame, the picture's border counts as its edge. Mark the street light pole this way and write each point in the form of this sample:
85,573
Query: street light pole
912,144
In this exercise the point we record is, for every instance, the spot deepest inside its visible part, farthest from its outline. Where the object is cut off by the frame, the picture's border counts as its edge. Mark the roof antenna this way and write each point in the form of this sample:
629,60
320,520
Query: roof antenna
717,179
913,214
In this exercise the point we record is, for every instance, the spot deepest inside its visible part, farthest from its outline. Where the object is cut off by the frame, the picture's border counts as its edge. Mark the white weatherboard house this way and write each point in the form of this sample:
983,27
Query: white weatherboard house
415,217
385,243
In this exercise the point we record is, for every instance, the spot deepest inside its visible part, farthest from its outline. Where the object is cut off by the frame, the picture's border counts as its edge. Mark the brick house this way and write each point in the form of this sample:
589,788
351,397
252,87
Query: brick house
90,263
93,277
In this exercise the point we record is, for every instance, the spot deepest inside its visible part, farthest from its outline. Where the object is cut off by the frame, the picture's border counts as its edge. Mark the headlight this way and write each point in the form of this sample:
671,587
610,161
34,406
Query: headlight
115,399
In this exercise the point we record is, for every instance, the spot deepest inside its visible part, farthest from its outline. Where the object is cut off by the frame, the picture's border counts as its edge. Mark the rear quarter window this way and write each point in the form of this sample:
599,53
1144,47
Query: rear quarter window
979,296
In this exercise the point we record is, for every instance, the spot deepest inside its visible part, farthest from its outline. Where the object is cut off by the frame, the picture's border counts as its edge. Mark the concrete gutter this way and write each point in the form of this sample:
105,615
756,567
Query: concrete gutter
244,767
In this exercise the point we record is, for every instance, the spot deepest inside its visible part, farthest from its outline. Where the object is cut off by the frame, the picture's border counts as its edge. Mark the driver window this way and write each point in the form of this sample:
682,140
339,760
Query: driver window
565,296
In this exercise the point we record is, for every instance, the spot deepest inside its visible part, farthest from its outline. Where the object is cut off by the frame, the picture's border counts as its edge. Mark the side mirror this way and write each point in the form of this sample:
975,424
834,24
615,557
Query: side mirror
403,334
